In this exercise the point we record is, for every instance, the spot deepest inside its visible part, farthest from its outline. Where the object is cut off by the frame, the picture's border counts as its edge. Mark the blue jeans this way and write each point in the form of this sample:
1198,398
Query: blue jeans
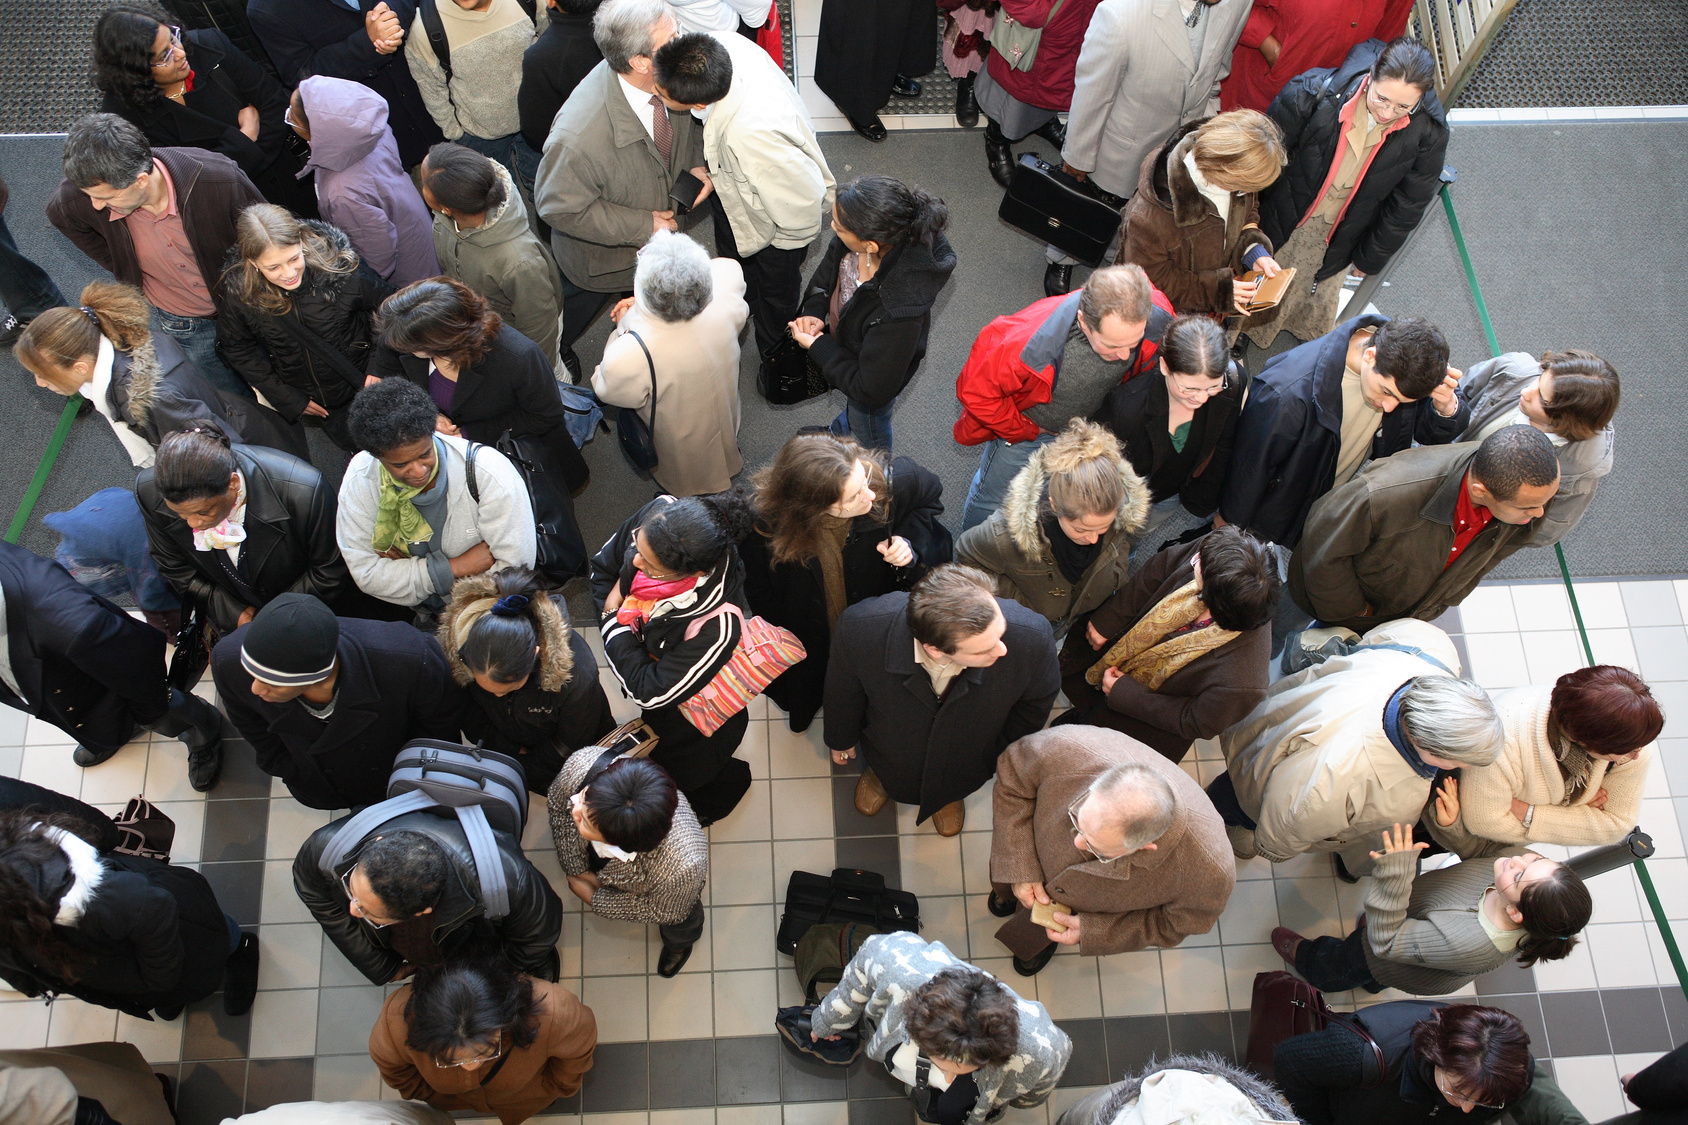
872,428
999,464
234,932
197,337
24,286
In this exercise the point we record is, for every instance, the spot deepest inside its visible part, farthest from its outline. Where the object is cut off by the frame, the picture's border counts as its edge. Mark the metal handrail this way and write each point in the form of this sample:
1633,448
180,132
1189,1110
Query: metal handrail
1458,33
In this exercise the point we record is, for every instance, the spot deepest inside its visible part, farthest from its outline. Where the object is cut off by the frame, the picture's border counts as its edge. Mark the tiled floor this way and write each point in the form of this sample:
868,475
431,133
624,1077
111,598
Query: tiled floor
698,1049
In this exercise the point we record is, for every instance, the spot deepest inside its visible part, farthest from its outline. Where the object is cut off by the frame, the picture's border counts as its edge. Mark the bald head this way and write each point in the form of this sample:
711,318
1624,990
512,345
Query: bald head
1134,802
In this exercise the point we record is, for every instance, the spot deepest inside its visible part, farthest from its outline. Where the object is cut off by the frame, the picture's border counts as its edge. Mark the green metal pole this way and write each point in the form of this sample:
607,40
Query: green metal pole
1663,924
33,492
1576,610
1470,272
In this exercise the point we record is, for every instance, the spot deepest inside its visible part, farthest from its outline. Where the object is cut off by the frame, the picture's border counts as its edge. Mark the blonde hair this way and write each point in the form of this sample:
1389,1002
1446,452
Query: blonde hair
1086,471
1241,150
263,226
59,337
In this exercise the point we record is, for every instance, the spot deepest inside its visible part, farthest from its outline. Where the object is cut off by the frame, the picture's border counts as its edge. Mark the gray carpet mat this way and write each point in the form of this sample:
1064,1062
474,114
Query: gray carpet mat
1574,53
1598,283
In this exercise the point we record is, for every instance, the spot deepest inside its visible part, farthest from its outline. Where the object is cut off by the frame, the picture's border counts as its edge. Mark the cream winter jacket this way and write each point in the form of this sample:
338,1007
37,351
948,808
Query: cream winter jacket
1312,765
1528,770
769,171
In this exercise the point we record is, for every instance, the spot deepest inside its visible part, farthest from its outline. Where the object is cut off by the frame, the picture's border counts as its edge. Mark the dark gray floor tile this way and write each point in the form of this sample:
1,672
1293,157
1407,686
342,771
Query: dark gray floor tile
1449,622
239,888
846,821
234,831
1240,1020
682,1073
241,777
1508,980
210,1091
1636,1019
747,1070
872,853
883,1111
1195,1032
869,1079
1527,1007
1133,1041
618,1079
804,1080
274,1081
211,1033
564,1106
1576,1025
1676,1014
1089,1064
1459,647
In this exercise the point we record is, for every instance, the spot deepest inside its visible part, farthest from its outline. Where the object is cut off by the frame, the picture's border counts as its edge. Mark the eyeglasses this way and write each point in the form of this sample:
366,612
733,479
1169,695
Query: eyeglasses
1461,1099
1185,389
352,900
287,119
1072,815
497,1049
172,49
1386,105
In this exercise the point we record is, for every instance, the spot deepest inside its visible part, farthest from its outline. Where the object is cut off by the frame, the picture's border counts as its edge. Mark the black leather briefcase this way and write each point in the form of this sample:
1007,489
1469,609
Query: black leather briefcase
1047,203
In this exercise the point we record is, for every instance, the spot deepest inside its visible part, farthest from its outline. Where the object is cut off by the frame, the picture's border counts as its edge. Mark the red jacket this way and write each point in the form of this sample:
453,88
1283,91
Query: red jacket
1310,34
1049,83
1017,358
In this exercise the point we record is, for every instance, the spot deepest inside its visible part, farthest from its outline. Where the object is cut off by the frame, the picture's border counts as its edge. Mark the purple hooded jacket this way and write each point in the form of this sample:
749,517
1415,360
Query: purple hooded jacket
361,186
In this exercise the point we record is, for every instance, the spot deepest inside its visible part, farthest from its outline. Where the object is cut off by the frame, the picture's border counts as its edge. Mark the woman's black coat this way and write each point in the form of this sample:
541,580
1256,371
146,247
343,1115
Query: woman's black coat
290,544
542,728
1386,205
287,356
882,330
793,596
178,394
157,935
511,388
225,81
1137,411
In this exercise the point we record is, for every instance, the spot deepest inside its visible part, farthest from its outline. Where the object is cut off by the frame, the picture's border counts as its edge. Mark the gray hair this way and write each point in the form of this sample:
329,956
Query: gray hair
673,277
103,148
1140,802
622,29
1453,719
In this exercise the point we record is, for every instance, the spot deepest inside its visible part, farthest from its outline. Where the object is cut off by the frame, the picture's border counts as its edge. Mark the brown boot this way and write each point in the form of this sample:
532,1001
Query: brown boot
870,793
948,820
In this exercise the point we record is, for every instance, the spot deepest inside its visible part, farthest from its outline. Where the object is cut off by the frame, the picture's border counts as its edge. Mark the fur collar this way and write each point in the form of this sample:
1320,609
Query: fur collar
85,865
1265,1097
556,659
145,378
1171,186
1021,505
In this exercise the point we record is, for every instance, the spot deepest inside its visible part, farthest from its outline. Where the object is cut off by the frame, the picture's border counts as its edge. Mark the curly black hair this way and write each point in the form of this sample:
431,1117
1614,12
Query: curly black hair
27,840
467,1005
389,414
123,40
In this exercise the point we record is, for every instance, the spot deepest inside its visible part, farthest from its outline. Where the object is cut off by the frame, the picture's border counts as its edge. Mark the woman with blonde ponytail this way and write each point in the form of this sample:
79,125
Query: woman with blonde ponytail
1061,541
140,383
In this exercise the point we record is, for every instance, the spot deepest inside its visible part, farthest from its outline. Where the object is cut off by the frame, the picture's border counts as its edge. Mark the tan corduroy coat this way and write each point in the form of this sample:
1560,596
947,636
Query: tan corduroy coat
1155,897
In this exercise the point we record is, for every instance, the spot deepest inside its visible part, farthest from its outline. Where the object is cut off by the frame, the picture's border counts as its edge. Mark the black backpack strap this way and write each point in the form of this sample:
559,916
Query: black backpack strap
434,28
469,472
605,760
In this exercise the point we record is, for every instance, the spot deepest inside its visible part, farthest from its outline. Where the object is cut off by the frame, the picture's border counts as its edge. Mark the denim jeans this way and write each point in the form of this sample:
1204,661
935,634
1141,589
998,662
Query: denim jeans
24,286
197,337
1336,964
872,428
999,464
234,932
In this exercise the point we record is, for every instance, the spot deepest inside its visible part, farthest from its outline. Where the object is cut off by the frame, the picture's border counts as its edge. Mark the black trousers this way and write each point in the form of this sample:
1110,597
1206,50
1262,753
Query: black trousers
1336,964
685,933
773,283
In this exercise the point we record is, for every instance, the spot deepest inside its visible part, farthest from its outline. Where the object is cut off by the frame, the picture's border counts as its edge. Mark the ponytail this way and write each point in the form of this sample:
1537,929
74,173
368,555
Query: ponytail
61,336
498,636
692,535
1555,909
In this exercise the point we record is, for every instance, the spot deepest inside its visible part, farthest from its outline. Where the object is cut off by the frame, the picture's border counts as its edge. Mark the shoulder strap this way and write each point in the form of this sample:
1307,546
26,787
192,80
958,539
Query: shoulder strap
649,363
361,824
696,624
1377,1055
489,861
316,345
1418,652
434,28
469,471
605,760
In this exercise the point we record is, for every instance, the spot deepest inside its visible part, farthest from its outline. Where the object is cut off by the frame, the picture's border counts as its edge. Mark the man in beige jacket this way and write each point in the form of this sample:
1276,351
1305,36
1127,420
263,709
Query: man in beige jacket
1121,838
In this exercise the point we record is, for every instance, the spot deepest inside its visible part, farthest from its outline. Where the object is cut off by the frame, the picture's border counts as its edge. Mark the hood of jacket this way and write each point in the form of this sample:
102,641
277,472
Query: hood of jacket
348,120
1168,182
556,662
504,223
910,285
1024,500
146,376
1265,1098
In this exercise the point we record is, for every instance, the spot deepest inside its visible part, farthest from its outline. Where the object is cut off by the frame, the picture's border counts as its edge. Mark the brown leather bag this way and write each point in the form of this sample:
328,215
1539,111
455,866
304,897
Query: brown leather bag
1285,1006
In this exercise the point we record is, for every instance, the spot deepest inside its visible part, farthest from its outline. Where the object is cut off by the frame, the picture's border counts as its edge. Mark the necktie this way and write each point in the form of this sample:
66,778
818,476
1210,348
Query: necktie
662,129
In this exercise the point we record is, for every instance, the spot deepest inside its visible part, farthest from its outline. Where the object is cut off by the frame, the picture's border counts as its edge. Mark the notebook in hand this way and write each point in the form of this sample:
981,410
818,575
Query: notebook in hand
1272,289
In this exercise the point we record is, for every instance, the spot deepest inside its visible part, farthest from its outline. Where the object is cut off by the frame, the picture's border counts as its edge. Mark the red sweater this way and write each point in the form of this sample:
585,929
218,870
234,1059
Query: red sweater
1311,34
1049,83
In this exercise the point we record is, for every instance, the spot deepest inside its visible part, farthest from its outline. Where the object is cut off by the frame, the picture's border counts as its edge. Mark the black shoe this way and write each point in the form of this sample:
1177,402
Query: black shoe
571,364
86,408
998,153
85,757
200,727
1001,907
1031,966
1057,279
1342,870
240,977
167,1012
10,329
673,959
966,107
873,129
205,765
905,87
1054,132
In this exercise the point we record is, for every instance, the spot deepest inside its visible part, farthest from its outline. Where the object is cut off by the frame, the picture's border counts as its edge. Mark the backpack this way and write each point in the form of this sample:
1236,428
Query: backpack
822,953
486,790
434,27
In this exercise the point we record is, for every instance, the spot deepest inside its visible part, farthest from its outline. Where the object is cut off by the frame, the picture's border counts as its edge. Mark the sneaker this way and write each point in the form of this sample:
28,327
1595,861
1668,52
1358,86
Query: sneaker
10,330
240,977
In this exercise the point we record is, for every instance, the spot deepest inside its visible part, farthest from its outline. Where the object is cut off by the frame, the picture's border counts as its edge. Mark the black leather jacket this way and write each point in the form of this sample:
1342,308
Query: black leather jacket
526,937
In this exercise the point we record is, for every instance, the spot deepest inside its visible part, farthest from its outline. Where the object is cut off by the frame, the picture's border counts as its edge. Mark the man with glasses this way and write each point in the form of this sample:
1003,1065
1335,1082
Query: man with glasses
409,895
1122,843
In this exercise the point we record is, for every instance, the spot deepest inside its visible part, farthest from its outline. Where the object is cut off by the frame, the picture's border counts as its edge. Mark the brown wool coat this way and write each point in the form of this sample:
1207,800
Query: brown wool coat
552,1067
1188,251
1207,695
1155,897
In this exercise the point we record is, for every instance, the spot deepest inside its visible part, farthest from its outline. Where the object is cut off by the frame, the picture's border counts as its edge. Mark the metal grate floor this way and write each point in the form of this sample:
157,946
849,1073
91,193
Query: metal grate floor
1575,53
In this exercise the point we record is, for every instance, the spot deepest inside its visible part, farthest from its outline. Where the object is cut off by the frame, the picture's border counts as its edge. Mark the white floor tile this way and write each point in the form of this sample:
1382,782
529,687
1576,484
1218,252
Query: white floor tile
753,748
1488,609
1497,660
1195,979
290,956
159,1041
1602,605
749,820
280,902
802,808
944,918
745,1002
120,777
1632,1064
975,862
167,773
284,1024
72,1021
11,761
741,874
930,864
290,824
611,947
814,856
681,1008
1309,906
1242,964
39,732
1131,983
1540,606
744,936
26,1023
1616,896
815,1113
1571,973
618,1003
50,766
748,1115
190,828
346,1078
1591,1082
1250,914
1616,950
1660,820
797,755
1070,988
1551,654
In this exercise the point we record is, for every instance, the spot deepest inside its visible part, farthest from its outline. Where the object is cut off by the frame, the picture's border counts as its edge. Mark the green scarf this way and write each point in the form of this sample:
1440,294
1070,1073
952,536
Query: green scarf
397,522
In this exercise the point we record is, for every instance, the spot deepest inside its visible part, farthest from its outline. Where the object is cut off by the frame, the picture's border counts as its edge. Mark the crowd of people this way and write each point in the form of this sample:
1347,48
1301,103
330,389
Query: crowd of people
378,233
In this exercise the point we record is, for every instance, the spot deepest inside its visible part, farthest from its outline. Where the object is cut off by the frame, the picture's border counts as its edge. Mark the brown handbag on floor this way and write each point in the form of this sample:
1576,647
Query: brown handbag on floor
1286,1006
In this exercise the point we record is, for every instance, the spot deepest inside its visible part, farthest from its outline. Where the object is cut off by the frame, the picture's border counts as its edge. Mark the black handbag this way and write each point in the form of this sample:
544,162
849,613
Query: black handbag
638,437
847,895
560,552
195,639
788,375
1050,205
145,829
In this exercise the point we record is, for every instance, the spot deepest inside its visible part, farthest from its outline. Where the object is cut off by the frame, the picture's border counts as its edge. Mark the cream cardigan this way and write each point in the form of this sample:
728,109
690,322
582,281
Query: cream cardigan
1526,768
